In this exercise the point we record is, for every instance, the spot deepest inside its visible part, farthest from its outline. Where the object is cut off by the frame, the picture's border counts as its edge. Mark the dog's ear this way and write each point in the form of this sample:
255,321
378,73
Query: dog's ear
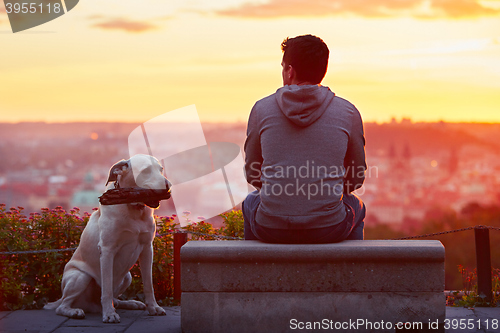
117,169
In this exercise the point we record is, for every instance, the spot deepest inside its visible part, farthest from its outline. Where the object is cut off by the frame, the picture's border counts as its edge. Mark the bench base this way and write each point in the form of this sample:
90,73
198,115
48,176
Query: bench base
244,312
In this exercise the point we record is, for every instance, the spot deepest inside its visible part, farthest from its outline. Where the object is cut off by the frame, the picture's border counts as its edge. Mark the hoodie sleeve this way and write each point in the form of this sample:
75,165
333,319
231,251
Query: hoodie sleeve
354,162
253,151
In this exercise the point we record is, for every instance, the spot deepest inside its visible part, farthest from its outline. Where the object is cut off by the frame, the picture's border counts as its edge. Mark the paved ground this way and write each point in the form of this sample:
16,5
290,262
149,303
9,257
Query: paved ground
46,321
482,319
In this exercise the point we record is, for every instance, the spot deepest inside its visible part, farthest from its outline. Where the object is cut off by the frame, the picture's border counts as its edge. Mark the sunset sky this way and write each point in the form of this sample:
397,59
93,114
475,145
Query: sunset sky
123,60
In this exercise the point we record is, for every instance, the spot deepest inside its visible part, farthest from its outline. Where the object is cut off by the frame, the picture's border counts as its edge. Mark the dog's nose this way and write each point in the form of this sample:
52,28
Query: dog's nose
168,184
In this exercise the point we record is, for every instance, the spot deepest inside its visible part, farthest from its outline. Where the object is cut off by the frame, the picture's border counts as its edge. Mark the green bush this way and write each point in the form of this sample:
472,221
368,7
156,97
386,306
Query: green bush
233,224
460,246
470,296
28,281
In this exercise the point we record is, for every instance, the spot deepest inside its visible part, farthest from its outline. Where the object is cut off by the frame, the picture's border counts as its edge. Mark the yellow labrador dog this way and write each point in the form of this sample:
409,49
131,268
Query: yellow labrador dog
114,238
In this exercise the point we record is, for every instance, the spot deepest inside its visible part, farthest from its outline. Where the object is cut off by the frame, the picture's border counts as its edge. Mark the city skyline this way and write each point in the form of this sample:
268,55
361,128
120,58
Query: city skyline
412,166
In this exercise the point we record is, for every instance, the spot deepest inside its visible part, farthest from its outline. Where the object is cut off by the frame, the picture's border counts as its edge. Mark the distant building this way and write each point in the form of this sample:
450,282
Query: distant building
386,212
453,162
407,153
87,198
392,152
406,121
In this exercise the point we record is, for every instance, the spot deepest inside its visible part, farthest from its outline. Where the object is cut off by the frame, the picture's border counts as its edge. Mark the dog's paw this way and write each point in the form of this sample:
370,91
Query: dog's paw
129,305
111,318
156,311
76,314
139,305
70,313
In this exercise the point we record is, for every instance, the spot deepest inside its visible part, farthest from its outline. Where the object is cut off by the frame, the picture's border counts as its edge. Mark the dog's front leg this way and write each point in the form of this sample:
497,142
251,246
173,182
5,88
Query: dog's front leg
146,264
109,314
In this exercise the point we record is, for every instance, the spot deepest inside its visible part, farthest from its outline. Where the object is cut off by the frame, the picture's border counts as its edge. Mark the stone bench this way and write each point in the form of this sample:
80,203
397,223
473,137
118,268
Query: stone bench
250,286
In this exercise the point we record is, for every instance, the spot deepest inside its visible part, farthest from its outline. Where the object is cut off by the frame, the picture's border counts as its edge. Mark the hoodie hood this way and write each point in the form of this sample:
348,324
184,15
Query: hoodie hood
303,105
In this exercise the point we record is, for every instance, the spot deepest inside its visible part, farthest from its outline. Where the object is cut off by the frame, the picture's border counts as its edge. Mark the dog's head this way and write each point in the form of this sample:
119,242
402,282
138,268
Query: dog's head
142,171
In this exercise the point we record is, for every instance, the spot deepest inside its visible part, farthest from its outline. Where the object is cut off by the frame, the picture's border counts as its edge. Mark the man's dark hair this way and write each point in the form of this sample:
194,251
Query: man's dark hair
308,55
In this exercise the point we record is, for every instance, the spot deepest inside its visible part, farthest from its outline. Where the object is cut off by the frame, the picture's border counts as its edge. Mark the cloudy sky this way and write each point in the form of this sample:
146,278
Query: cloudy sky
122,60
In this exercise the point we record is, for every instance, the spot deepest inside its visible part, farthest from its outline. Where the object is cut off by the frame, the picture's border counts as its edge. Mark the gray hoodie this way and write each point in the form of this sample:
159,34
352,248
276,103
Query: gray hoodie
304,149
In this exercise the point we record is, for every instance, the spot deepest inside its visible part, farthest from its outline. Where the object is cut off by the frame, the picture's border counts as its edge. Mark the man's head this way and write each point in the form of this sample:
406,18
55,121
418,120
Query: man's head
305,60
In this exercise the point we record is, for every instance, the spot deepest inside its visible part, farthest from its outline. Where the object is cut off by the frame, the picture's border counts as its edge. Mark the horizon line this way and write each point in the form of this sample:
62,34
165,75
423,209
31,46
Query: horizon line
402,121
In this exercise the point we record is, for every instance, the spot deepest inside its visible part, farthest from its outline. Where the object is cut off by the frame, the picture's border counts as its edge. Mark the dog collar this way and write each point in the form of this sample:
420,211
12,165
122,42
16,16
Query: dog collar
138,205
141,205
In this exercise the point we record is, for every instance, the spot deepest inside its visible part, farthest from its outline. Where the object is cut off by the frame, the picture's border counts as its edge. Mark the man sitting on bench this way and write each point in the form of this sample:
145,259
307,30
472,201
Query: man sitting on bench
305,154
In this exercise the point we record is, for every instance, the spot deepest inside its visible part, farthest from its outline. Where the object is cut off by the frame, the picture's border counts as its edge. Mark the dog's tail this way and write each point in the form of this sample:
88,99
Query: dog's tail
53,305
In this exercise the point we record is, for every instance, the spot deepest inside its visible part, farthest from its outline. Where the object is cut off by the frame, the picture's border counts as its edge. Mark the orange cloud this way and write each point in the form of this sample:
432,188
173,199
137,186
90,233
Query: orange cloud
364,8
463,8
125,25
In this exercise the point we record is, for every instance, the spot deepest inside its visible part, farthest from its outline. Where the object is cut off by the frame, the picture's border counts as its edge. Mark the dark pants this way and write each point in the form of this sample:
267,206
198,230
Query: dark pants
350,228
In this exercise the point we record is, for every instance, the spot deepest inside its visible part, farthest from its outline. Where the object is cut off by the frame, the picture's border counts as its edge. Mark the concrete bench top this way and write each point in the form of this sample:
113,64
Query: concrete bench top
372,250
374,265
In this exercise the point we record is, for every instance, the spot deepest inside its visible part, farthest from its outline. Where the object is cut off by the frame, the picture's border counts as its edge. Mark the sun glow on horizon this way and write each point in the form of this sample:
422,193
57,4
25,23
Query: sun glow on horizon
102,67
